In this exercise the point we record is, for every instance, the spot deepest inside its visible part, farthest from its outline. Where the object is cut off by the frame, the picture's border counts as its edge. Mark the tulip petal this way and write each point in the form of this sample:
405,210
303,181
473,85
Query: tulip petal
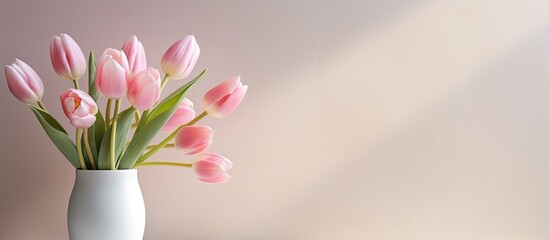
220,179
193,139
74,57
218,92
58,58
76,107
18,86
83,122
183,114
33,80
113,84
230,104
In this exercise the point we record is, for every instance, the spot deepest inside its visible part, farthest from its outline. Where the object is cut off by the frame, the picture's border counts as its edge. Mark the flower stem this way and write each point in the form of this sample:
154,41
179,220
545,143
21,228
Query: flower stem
137,116
76,84
79,148
41,104
164,81
88,149
176,164
113,134
169,145
169,138
108,112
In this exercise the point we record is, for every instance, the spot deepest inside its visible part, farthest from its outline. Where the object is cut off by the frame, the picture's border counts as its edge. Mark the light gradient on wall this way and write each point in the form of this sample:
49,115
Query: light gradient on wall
363,120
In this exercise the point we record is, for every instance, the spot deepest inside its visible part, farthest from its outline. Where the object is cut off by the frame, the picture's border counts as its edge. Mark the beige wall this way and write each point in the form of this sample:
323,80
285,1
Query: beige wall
364,119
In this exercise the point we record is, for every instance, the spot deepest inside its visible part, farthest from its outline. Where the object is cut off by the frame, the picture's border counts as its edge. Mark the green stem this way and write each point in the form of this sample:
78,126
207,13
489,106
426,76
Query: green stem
88,149
113,134
41,104
169,145
164,81
176,164
137,116
169,138
76,84
108,112
79,148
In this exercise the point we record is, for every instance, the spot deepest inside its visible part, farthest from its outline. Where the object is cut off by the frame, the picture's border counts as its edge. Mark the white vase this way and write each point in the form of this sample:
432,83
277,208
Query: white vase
106,205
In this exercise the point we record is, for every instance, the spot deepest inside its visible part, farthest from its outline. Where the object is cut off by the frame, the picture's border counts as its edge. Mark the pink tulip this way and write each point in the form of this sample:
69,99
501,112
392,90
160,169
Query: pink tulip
183,114
23,82
144,89
193,139
137,61
223,99
67,58
178,62
212,168
112,74
79,108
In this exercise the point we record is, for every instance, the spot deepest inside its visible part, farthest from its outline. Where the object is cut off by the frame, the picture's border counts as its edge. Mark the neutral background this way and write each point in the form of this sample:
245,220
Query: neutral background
364,119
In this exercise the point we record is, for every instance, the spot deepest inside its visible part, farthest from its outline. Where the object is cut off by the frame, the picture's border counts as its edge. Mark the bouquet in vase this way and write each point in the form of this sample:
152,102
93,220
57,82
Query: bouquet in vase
121,138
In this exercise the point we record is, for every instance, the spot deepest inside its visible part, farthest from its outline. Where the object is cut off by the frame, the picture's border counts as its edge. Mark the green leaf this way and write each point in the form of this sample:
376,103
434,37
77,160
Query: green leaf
91,77
173,99
95,134
58,135
124,124
156,120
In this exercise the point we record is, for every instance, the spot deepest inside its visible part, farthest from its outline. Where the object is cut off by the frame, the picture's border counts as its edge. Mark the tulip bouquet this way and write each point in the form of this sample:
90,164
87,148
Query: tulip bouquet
104,142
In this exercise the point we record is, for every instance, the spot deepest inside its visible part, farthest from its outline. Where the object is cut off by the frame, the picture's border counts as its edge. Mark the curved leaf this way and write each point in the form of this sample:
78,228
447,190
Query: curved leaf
156,120
123,127
91,78
58,135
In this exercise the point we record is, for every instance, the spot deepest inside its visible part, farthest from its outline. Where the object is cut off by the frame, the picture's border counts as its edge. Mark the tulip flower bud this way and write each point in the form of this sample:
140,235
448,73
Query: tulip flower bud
178,62
193,139
144,89
223,99
67,58
212,168
112,74
23,82
137,61
183,114
79,108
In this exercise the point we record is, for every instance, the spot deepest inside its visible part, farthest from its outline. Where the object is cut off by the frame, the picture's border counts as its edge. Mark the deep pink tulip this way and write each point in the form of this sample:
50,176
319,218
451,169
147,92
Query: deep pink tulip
178,62
223,99
193,139
212,168
79,108
112,74
183,114
137,61
23,82
144,89
67,58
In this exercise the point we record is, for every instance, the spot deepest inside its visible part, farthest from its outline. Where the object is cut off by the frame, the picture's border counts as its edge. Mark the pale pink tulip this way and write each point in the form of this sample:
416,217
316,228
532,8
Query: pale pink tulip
144,89
67,58
79,108
112,74
212,168
193,139
137,61
183,114
179,60
23,82
223,99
